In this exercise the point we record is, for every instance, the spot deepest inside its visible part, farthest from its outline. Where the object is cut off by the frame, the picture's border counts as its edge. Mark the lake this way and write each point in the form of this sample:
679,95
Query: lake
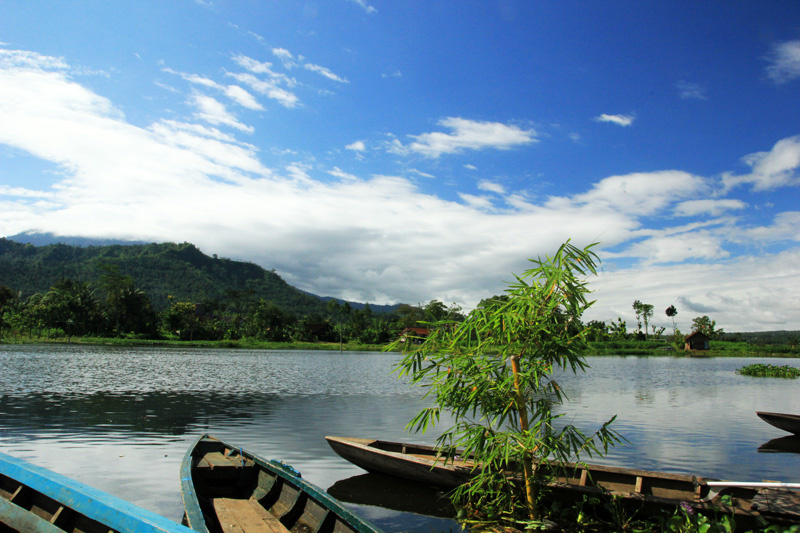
120,419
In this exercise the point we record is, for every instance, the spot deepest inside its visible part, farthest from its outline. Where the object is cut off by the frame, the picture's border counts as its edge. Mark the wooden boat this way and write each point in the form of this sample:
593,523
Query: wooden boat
228,490
790,423
36,500
646,491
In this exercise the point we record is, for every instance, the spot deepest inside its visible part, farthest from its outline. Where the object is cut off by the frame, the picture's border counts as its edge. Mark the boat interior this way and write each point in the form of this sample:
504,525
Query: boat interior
26,509
236,495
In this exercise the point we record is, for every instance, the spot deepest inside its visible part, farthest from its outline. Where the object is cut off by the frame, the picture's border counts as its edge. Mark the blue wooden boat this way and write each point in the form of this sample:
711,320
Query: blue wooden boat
228,490
36,500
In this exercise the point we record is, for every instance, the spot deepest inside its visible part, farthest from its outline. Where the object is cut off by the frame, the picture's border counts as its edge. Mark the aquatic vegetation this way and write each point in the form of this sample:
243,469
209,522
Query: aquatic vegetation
769,371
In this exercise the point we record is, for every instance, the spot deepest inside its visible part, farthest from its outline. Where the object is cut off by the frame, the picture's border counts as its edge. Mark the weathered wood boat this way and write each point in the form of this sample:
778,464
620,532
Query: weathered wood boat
228,490
36,500
645,490
786,422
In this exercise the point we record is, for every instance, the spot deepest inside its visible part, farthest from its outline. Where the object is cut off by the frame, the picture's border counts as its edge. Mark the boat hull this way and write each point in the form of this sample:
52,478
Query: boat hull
786,422
643,490
227,489
34,499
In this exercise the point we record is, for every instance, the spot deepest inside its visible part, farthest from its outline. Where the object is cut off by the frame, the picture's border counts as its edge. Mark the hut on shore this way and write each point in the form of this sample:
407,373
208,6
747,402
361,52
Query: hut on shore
697,341
415,335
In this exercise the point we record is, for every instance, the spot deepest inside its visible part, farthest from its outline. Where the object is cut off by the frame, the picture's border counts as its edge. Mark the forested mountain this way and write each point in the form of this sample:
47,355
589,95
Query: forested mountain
161,270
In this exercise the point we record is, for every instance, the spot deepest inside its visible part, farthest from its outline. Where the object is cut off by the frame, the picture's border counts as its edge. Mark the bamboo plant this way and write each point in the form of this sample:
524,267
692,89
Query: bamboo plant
493,376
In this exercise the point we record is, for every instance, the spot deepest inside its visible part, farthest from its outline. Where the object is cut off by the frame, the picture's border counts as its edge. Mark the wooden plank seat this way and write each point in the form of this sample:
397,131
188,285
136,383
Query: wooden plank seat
240,516
218,460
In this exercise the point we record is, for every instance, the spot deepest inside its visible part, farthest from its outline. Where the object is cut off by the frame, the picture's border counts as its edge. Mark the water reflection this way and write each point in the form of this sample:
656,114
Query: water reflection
393,493
788,444
125,414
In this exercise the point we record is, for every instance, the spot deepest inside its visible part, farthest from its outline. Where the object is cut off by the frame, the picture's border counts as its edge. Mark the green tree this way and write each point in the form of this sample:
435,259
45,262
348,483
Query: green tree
706,326
644,312
128,308
7,297
340,313
70,306
268,322
493,373
672,312
181,318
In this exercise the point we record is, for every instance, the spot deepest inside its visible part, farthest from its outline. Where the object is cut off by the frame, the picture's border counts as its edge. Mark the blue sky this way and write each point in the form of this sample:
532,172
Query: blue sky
408,151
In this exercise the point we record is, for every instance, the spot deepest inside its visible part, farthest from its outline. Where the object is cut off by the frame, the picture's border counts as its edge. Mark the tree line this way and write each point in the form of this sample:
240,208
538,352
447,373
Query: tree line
114,306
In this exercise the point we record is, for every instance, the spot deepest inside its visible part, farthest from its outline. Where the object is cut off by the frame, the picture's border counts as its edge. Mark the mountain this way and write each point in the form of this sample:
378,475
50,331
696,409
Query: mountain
43,239
165,271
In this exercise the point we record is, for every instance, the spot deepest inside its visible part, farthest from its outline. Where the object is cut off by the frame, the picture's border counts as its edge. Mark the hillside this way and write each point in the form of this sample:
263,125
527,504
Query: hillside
161,270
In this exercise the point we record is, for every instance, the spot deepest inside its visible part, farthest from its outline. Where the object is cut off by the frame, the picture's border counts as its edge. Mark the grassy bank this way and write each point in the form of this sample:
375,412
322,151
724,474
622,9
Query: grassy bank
718,349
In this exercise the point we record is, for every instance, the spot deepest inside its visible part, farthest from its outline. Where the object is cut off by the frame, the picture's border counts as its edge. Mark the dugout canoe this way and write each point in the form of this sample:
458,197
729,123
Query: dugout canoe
228,490
644,490
36,500
786,422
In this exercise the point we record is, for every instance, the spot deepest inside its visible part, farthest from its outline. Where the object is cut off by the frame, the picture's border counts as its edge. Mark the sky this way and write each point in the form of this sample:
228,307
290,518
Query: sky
385,152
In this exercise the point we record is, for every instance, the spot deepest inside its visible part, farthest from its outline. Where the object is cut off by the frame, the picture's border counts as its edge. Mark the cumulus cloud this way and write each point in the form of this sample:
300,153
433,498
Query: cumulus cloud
772,169
642,193
784,62
357,146
620,120
466,135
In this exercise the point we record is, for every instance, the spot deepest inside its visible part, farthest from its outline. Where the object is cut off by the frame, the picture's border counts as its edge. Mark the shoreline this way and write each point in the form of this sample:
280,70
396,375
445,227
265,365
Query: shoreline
597,349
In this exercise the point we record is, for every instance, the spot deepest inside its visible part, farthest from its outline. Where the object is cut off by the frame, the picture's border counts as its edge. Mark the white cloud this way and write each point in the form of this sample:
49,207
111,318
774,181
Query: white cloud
642,193
786,226
365,6
339,173
285,56
696,245
357,146
30,60
784,62
691,91
490,186
620,120
466,135
268,88
214,112
324,72
707,207
470,167
242,97
478,202
234,92
771,170
742,294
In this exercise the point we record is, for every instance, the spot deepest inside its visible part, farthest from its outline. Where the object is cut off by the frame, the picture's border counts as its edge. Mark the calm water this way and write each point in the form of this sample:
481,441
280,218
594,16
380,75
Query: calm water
121,419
